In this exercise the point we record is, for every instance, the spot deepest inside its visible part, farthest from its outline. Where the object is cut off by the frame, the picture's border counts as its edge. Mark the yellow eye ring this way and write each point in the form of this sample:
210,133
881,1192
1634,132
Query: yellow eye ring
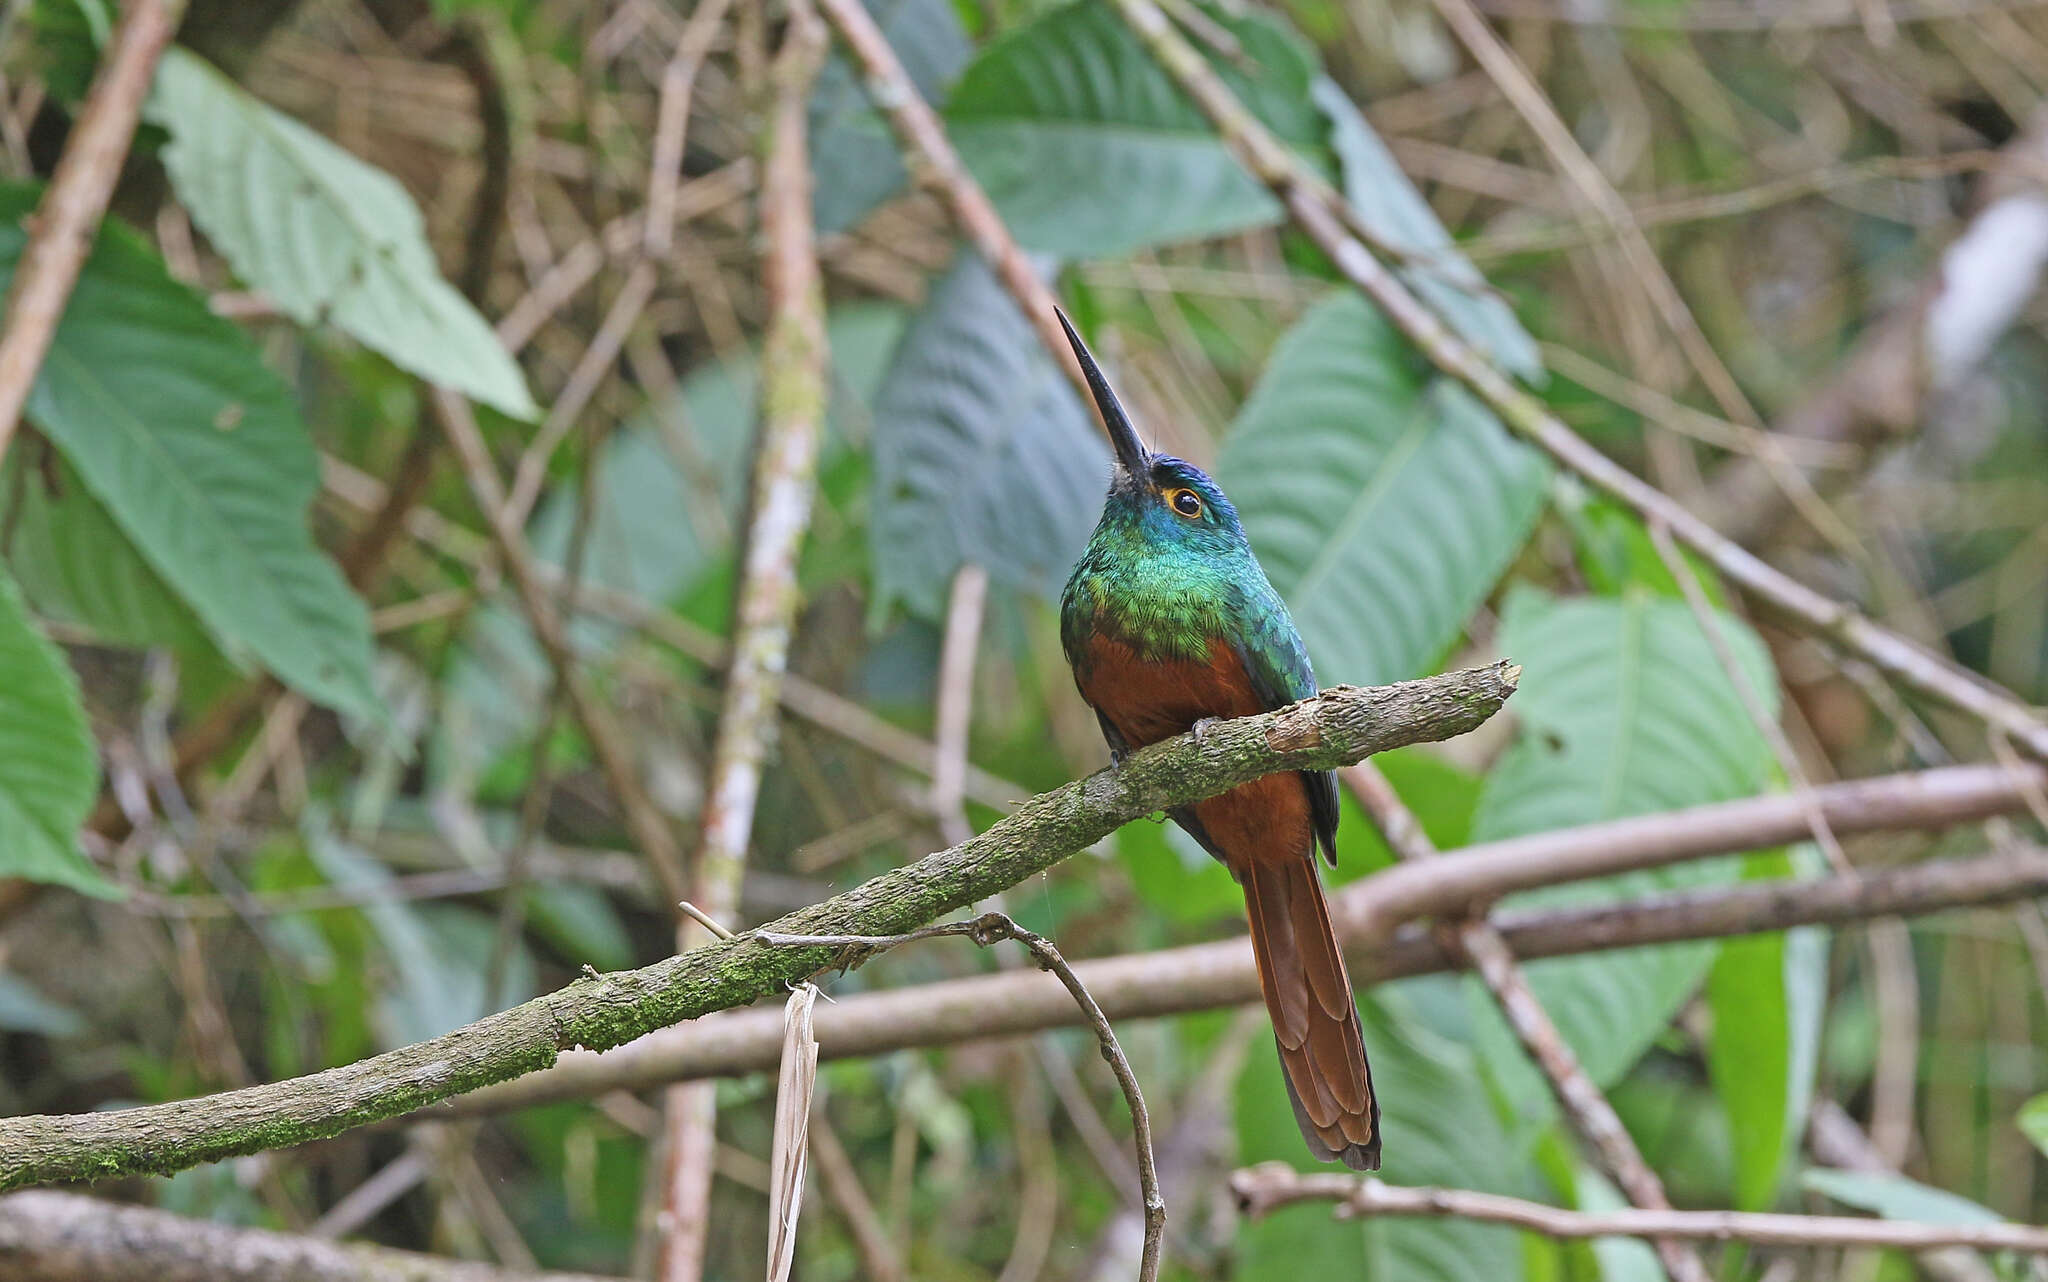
1186,502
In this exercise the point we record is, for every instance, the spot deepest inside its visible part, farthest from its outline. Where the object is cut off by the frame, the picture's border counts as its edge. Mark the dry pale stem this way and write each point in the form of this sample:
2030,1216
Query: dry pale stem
1265,1188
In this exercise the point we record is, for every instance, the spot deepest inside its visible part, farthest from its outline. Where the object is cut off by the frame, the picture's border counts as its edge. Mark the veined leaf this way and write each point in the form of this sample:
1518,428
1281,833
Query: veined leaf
854,162
1383,504
197,452
49,771
1089,149
322,234
1433,267
983,451
669,491
1623,710
76,566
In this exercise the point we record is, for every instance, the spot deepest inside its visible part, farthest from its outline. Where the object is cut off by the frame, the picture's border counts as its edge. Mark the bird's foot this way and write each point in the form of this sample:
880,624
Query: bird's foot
1201,728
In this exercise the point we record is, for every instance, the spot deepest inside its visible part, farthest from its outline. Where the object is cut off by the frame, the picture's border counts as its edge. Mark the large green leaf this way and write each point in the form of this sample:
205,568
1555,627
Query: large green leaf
1431,263
1767,994
75,565
49,772
1089,149
197,452
669,488
1384,504
983,451
322,234
854,161
1623,710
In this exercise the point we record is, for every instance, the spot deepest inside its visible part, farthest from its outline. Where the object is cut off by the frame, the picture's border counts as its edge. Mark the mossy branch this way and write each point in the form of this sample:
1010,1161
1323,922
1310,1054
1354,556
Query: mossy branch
1335,728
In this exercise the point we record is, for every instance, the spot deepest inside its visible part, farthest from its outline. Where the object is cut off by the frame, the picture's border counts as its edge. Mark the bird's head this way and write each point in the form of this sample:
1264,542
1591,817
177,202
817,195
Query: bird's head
1163,499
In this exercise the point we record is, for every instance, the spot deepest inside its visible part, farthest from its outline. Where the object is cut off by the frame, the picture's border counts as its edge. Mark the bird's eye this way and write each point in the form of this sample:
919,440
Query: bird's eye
1186,502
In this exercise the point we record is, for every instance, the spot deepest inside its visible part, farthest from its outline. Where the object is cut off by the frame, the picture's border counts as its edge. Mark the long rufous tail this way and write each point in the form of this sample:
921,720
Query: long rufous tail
1315,1020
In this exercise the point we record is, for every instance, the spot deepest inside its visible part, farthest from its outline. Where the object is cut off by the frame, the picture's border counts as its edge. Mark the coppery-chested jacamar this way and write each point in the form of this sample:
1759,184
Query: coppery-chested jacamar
1168,621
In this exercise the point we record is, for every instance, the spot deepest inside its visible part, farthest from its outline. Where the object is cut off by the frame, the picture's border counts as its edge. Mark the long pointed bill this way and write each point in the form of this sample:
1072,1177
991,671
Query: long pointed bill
1131,454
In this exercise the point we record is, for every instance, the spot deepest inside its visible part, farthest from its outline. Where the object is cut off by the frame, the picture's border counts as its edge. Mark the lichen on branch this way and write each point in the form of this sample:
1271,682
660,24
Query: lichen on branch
1335,728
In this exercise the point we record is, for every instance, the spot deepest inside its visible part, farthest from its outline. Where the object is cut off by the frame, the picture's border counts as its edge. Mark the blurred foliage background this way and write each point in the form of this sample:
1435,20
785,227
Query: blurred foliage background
395,831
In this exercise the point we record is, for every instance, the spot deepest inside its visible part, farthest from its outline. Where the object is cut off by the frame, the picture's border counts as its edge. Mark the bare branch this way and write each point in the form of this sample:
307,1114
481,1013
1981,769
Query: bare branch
62,1237
1265,1188
1885,803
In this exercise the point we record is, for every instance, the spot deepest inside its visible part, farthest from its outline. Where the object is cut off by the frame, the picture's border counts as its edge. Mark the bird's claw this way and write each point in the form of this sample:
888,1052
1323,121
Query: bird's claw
1201,729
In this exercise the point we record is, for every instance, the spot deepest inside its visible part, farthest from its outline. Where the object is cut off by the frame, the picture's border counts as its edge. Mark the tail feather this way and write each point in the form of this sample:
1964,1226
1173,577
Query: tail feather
1315,1019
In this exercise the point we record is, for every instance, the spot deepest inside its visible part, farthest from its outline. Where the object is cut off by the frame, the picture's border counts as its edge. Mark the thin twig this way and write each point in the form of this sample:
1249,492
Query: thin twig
672,124
807,700
69,214
1329,221
1534,106
987,930
614,753
1267,1187
590,372
1751,698
934,164
1486,952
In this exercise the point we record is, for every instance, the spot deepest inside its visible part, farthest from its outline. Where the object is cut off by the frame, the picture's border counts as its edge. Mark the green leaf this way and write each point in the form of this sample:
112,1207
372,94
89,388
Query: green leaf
49,771
1768,995
1384,504
669,491
66,44
322,234
1623,711
1389,204
854,162
983,452
2033,1121
1894,1197
75,565
197,452
1088,148
1614,551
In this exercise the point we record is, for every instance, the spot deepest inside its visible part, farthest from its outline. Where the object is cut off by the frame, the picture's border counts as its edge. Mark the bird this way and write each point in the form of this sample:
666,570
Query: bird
1168,622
